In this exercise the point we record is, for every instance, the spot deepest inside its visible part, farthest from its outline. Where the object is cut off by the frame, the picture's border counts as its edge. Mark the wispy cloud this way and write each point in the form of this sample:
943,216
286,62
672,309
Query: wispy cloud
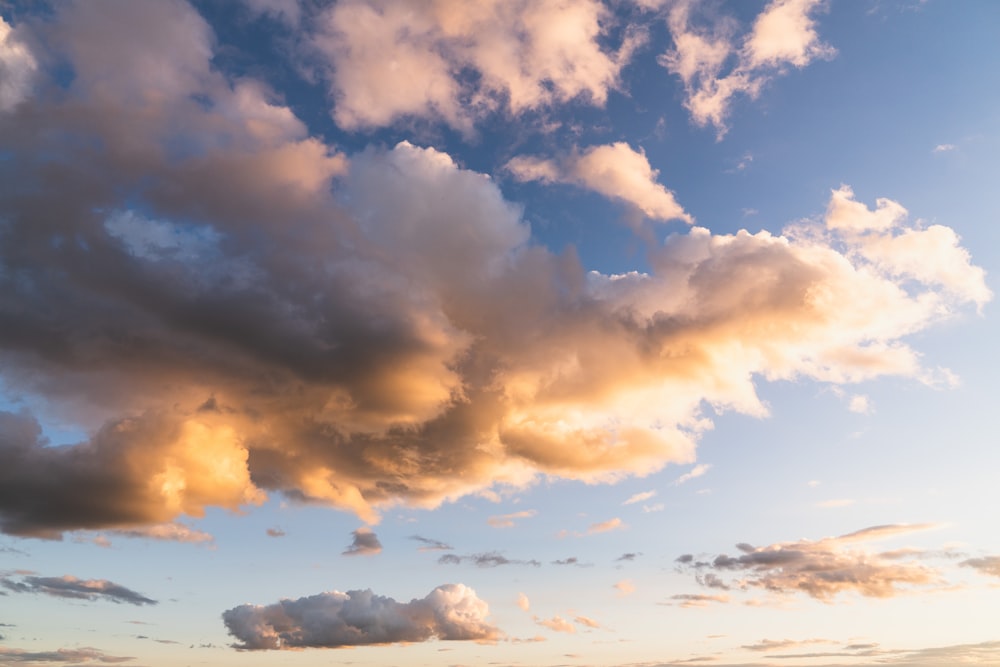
689,600
944,148
508,520
694,473
71,587
639,497
986,565
824,568
82,655
427,544
361,618
486,559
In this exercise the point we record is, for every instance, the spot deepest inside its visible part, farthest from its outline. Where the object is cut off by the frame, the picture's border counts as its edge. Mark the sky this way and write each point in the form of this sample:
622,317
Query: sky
508,332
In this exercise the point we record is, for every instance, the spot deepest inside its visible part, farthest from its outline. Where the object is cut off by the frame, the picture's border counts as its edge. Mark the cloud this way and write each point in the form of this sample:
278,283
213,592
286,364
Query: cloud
639,497
82,655
605,526
389,60
860,404
231,308
614,170
451,612
783,644
586,622
166,532
624,587
69,586
523,602
557,624
17,68
783,35
985,565
275,532
695,472
944,148
836,502
485,559
690,600
824,568
507,520
627,556
365,543
428,544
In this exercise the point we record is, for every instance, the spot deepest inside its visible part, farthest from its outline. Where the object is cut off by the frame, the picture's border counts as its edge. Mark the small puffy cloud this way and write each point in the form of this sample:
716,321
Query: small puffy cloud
523,602
586,622
365,543
614,170
605,526
624,587
825,568
507,520
985,565
627,556
715,64
860,404
944,148
557,624
275,532
69,586
361,618
695,472
639,497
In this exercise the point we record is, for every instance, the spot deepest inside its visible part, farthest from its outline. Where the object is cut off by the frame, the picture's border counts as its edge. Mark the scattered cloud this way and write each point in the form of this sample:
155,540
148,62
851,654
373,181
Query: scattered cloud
586,622
507,520
783,644
836,502
695,472
860,404
605,526
486,559
985,565
523,602
365,543
71,587
82,655
427,544
17,68
639,497
824,568
166,532
275,532
556,624
627,556
624,587
783,35
944,148
689,600
615,170
360,618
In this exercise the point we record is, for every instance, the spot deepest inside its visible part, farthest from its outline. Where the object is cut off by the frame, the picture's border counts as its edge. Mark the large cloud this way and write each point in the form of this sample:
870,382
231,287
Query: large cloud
231,307
361,618
390,59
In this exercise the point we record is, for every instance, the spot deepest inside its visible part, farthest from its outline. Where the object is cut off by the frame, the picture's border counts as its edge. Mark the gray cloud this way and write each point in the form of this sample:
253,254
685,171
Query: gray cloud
365,543
486,559
821,569
428,544
13,656
80,589
361,618
985,565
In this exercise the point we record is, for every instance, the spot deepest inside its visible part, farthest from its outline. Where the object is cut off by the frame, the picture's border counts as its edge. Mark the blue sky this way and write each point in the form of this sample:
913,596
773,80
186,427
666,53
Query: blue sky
532,333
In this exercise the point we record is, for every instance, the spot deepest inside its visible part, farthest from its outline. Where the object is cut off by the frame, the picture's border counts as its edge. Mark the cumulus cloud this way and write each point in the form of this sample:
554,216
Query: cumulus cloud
715,63
69,586
507,520
231,308
389,59
365,543
824,568
614,170
360,618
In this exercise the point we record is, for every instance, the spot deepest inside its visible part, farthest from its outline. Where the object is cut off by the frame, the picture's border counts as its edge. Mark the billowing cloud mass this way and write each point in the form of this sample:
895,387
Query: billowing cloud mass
389,59
69,586
715,64
361,618
233,308
615,170
822,569
365,543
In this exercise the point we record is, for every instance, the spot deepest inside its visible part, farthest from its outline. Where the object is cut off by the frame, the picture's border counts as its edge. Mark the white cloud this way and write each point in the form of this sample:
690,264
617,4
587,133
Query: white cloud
361,618
694,473
944,148
556,624
624,587
507,520
639,497
523,602
614,170
17,68
783,35
391,59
